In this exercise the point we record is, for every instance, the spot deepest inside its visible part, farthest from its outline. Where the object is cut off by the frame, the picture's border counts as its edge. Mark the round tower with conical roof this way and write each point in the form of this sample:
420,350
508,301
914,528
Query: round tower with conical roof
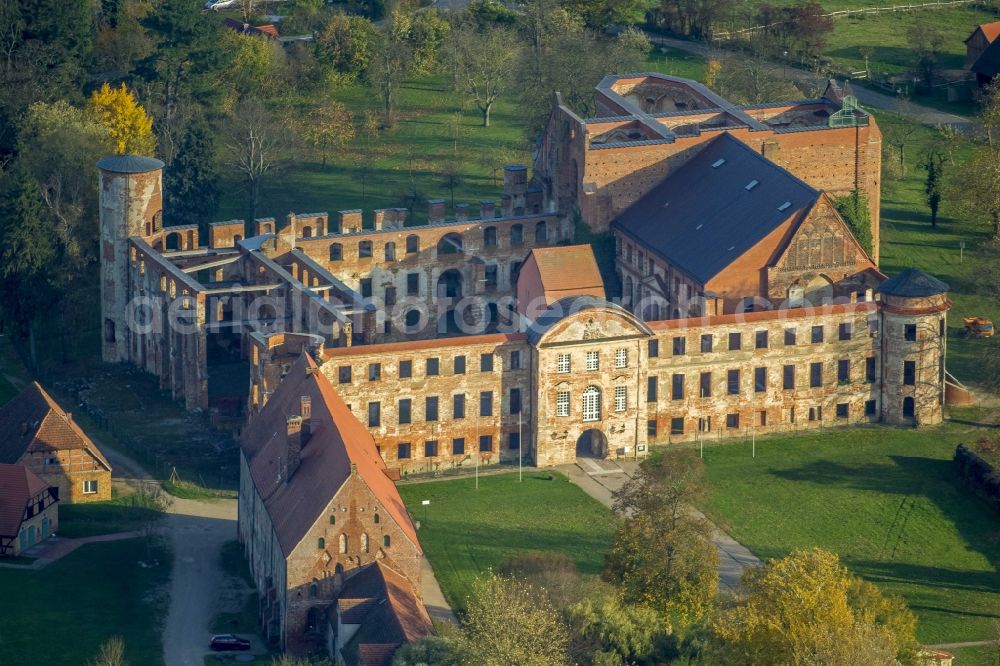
131,200
913,311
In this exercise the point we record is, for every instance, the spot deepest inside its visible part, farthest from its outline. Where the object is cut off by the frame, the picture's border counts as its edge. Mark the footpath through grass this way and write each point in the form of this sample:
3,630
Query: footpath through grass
465,531
887,501
60,615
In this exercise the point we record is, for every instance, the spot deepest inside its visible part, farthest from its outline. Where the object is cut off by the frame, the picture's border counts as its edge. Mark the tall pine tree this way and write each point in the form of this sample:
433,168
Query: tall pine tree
27,251
191,189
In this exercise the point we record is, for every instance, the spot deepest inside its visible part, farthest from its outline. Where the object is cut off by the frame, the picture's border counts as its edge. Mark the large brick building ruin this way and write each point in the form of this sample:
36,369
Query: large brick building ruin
739,301
317,509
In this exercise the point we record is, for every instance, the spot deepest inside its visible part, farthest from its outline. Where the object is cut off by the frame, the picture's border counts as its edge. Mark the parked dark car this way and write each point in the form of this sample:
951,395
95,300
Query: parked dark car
229,643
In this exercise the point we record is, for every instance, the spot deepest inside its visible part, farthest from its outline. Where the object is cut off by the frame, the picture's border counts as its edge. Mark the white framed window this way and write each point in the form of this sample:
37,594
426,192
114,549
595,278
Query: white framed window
562,363
562,403
592,404
621,398
593,360
90,487
621,358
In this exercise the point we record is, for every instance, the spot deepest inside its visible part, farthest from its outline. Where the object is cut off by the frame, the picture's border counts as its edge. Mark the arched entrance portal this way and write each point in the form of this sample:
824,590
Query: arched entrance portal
592,444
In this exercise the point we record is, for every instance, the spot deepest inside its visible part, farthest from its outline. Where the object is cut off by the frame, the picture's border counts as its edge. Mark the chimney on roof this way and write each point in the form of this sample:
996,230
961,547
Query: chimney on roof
293,444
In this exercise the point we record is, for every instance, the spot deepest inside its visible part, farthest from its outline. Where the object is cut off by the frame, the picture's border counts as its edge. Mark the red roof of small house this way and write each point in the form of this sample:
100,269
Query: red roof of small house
268,30
990,30
388,609
338,443
32,421
17,486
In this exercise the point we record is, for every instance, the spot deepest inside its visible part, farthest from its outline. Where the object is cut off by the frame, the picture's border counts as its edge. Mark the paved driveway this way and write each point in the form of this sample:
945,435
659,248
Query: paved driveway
600,478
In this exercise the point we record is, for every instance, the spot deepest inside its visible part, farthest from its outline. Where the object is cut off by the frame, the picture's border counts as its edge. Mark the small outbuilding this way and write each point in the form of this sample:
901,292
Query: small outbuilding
29,510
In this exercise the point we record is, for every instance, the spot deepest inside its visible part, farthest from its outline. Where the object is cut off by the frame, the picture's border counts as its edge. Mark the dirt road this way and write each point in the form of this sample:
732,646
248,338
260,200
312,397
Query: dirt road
197,530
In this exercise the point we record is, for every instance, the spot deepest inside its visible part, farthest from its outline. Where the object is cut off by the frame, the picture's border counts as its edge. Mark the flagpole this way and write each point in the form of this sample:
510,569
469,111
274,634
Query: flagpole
520,446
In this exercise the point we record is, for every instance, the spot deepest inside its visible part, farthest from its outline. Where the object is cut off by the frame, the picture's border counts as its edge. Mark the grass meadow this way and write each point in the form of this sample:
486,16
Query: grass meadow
466,532
887,501
60,615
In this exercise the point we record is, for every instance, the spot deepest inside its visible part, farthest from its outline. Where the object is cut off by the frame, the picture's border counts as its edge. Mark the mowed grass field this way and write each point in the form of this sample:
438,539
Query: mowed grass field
465,532
888,35
51,618
887,501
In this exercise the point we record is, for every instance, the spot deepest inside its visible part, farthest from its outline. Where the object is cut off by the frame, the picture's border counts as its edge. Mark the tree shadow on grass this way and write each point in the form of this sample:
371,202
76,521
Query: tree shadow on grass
913,574
935,480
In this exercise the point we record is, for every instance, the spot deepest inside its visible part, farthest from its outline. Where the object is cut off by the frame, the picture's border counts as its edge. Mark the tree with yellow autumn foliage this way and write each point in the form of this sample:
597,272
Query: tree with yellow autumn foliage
128,125
808,609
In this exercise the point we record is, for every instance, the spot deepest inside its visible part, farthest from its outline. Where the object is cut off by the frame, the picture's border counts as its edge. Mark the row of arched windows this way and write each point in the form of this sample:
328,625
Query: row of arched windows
343,543
450,243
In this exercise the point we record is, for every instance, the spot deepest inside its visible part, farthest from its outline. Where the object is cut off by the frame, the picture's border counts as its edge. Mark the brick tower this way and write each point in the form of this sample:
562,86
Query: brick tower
131,200
914,311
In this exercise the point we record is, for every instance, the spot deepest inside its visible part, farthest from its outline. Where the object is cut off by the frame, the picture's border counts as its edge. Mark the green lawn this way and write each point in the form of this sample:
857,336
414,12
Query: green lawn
887,501
413,156
888,35
63,613
119,514
909,240
466,532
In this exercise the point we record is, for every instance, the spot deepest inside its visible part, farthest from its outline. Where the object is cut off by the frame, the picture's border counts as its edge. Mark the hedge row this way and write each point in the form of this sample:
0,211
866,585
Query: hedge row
979,474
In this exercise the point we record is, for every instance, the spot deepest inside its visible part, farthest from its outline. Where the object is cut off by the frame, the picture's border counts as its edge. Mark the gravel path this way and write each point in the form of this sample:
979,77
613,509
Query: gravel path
197,530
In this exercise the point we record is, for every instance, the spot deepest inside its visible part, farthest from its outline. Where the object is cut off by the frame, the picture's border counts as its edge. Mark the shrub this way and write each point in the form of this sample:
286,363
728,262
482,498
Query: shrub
979,474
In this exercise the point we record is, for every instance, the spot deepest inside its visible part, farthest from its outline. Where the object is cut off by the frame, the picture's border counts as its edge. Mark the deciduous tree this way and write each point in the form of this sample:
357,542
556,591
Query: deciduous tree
486,63
128,126
607,630
801,610
508,621
27,251
662,554
255,139
112,653
327,127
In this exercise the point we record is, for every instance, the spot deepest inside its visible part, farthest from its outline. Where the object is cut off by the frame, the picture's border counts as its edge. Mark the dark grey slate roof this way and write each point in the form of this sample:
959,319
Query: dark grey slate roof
913,283
129,164
702,217
568,306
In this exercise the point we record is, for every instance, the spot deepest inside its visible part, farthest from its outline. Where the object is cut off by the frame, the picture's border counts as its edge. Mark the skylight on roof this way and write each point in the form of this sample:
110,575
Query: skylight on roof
719,162
785,206
752,184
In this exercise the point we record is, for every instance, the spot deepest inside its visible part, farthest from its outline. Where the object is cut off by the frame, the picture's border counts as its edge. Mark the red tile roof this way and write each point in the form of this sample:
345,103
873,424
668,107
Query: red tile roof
435,343
17,486
32,421
991,30
568,271
338,442
389,610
